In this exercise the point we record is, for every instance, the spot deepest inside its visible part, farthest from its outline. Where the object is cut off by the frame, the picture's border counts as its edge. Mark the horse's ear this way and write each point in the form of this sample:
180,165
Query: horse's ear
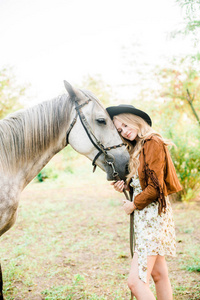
73,93
69,89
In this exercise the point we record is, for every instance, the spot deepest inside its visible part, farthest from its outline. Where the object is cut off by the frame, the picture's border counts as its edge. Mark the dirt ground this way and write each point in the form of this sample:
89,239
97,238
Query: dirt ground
71,241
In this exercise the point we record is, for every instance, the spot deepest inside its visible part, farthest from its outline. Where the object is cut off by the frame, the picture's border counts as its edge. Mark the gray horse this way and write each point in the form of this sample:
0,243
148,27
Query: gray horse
30,138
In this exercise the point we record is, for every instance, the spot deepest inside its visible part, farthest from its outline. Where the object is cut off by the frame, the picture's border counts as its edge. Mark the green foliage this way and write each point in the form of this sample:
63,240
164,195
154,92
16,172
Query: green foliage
41,176
186,137
47,172
10,93
181,110
186,160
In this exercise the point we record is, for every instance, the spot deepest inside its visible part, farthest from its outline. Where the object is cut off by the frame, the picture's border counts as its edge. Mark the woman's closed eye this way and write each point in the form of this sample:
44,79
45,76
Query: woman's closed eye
120,129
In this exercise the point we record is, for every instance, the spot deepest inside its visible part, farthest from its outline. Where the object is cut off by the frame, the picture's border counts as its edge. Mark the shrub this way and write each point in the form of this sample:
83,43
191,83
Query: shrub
186,157
47,172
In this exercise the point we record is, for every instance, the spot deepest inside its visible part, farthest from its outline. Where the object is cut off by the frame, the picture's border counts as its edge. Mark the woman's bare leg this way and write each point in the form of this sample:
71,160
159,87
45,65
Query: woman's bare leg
161,279
139,288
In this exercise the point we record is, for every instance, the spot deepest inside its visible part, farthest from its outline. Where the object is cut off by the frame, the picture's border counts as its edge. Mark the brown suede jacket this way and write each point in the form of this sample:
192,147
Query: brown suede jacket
157,174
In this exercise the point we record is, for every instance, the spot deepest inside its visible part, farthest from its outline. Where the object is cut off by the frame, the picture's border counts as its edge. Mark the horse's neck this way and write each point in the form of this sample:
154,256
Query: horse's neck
41,159
40,138
32,168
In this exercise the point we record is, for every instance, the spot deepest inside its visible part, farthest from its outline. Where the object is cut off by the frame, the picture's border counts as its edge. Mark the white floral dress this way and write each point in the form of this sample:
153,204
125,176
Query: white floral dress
154,233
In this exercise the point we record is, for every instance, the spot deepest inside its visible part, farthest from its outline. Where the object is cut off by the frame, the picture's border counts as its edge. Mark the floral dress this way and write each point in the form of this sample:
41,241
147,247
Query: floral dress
154,233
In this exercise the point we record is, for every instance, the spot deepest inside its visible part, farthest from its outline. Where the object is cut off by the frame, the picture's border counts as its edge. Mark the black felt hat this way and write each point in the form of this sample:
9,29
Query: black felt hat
130,109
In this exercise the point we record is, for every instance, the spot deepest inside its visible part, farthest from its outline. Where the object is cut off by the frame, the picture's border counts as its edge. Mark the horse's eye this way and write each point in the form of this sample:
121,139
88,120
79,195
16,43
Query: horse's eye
101,121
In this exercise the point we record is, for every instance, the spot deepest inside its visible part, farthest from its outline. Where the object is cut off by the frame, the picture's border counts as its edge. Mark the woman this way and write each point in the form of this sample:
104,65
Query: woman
153,177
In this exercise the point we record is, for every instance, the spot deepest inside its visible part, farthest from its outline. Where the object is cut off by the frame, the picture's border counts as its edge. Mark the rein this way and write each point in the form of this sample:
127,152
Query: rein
109,158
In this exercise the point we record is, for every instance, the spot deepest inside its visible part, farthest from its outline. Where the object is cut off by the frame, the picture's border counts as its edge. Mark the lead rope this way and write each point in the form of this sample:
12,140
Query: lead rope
132,234
1,285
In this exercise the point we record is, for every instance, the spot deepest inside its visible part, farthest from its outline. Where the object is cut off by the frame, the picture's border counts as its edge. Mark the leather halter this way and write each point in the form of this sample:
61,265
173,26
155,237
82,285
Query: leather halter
109,158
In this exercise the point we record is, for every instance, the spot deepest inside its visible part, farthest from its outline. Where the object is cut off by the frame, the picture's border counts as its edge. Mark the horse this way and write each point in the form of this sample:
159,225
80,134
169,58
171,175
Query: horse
30,137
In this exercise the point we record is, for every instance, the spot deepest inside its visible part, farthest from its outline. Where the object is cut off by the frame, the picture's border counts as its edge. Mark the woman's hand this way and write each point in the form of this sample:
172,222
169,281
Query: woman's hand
128,206
118,185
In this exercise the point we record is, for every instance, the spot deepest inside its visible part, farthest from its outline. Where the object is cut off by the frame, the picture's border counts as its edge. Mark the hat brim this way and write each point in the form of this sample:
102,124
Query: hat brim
117,110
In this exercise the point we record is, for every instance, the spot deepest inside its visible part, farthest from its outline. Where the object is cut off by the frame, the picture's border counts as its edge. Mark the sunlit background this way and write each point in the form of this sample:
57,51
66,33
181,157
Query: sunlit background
70,240
46,42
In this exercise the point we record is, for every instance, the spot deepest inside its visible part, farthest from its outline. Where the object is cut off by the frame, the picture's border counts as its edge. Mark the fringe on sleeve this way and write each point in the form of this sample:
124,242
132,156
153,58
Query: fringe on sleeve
161,197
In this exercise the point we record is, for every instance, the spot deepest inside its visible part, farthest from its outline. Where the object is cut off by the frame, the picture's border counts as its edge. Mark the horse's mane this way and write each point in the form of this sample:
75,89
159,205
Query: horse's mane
33,130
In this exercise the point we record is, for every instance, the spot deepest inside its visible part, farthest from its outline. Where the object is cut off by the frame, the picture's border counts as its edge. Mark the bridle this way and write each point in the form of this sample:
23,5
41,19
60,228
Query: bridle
109,158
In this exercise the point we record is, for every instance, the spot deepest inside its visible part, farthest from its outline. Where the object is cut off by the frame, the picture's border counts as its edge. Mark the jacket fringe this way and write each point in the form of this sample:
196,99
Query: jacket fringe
161,197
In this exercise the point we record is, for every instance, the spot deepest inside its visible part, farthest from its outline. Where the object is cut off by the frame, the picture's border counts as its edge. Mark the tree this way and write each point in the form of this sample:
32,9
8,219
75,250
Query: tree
179,109
10,92
191,25
180,84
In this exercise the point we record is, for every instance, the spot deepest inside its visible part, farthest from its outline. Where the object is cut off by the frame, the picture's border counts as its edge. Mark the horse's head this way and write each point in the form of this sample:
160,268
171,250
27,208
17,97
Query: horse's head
93,134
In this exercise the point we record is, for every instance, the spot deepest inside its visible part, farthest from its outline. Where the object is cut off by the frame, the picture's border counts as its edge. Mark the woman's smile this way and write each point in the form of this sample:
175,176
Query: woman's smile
129,134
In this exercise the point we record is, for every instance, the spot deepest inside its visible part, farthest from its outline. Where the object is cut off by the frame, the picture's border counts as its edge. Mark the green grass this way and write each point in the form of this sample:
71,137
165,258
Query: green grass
64,292
71,241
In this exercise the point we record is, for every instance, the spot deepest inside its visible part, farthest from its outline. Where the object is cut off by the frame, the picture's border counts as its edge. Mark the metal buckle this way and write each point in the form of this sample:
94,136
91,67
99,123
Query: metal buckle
109,158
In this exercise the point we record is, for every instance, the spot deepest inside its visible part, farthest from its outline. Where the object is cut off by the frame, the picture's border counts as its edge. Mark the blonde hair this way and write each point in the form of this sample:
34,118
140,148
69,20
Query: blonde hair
144,132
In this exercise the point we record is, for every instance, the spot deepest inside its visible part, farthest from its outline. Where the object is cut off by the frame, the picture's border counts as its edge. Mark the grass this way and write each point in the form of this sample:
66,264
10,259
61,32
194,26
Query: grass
187,281
71,241
64,292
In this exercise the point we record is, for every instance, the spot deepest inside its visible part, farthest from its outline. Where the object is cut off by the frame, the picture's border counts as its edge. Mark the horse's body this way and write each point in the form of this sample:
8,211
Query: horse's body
31,137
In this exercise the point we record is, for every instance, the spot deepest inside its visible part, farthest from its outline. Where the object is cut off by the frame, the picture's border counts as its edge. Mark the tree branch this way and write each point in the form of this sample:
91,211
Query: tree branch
189,99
